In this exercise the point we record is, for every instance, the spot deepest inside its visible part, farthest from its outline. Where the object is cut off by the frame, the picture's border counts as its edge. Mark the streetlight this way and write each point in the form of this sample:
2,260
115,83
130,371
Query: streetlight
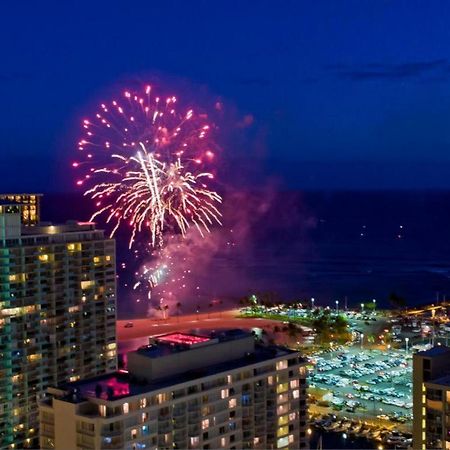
406,343
312,303
337,305
362,307
362,340
374,304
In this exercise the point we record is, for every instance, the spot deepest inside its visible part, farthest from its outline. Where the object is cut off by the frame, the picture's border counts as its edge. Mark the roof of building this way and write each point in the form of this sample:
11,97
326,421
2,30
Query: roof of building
121,384
167,344
435,351
444,381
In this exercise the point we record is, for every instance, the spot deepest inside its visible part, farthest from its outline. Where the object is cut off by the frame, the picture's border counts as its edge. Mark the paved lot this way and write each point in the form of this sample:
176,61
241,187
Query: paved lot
371,382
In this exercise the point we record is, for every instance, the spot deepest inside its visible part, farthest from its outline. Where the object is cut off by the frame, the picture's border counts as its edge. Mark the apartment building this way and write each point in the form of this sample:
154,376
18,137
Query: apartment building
185,391
57,315
431,399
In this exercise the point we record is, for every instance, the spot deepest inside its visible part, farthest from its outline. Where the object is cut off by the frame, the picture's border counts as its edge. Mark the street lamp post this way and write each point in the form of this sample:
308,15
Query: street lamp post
337,306
406,343
362,340
374,304
312,303
362,307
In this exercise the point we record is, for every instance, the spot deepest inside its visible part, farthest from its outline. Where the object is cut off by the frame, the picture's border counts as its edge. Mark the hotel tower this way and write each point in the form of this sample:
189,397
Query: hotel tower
57,312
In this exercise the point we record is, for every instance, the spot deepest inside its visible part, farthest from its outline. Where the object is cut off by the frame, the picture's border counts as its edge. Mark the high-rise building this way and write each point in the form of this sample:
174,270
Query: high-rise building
57,315
431,399
185,391
31,206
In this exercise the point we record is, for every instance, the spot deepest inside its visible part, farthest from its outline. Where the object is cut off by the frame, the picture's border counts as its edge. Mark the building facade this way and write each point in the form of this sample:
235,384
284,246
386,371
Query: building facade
31,206
185,392
431,399
57,315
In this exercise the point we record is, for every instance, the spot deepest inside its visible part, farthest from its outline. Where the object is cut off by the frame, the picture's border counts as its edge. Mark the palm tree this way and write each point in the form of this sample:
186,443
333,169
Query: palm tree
211,304
178,306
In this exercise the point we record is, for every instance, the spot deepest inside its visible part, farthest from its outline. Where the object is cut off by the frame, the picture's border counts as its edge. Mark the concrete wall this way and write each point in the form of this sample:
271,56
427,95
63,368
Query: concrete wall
65,425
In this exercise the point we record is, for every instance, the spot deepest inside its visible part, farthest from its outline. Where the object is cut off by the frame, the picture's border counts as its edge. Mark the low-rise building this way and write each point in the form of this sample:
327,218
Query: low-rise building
185,391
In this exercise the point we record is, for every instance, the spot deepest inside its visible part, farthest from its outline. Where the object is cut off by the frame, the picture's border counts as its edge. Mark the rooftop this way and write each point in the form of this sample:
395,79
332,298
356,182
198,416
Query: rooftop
167,344
444,381
70,226
435,351
183,339
121,384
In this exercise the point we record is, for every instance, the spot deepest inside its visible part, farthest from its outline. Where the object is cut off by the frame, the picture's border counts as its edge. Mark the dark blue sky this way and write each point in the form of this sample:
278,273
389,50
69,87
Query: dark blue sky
343,93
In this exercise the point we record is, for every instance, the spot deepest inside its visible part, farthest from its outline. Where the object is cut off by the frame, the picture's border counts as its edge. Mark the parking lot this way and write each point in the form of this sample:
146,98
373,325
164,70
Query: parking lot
372,382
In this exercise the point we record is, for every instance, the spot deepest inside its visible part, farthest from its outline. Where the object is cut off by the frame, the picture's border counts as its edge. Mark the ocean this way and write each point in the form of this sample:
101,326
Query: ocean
330,246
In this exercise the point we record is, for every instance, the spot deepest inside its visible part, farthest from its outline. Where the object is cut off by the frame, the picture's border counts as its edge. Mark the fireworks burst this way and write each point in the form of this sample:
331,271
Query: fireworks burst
146,166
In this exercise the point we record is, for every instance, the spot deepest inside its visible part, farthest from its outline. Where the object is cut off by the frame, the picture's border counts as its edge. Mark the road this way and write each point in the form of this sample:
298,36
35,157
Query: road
133,337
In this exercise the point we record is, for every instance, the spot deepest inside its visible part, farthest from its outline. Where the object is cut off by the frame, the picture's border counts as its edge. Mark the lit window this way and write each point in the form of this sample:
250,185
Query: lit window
35,357
282,387
291,439
87,284
282,442
145,430
292,416
282,364
270,380
96,260
282,420
125,408
107,258
15,378
18,277
232,403
224,393
205,424
102,410
134,433
296,393
43,258
256,440
223,442
229,379
194,441
294,384
143,403
282,431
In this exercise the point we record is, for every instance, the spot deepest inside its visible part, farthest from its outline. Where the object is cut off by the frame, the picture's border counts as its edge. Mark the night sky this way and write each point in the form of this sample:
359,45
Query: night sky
342,94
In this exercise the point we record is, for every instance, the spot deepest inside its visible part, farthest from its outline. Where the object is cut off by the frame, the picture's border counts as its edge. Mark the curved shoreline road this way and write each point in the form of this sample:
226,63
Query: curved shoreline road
148,327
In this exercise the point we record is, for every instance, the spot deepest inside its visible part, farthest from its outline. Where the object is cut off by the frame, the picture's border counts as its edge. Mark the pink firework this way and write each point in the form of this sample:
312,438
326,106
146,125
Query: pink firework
146,165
